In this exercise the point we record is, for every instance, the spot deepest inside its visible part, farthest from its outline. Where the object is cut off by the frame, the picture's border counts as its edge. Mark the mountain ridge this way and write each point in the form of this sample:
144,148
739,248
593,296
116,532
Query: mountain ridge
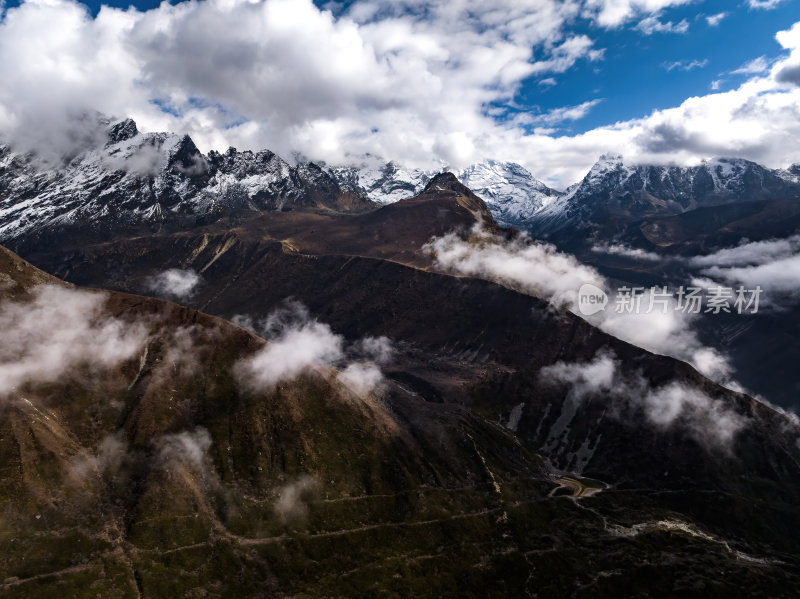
152,181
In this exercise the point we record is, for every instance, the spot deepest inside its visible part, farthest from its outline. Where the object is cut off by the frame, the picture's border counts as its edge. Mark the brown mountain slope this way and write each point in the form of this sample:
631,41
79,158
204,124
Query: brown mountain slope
456,500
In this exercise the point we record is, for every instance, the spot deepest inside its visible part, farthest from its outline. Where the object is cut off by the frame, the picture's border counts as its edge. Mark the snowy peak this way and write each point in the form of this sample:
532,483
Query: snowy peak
121,131
511,192
382,182
153,180
614,191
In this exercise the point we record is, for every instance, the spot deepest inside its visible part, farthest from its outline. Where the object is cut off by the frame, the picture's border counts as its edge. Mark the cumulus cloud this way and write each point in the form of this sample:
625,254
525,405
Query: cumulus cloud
539,269
361,378
708,420
58,329
374,349
174,283
299,343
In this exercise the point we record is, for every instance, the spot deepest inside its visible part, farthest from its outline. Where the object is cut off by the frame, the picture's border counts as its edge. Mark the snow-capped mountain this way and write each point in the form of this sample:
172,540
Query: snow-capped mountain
154,179
162,181
615,192
512,193
382,182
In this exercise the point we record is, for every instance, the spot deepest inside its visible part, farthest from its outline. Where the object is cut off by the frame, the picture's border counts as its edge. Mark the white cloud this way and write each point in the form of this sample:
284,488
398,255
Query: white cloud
685,65
107,458
187,452
186,448
772,265
300,344
566,113
536,268
613,13
708,420
174,283
58,329
753,67
540,270
781,276
764,4
374,349
297,350
619,249
715,20
653,24
294,497
361,378
750,253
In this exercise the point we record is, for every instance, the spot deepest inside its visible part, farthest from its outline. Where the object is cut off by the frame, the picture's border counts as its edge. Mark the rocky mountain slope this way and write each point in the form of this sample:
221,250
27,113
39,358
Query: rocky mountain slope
489,459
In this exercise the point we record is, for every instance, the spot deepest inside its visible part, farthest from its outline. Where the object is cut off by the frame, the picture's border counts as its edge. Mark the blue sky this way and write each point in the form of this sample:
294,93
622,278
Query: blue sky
632,79
550,84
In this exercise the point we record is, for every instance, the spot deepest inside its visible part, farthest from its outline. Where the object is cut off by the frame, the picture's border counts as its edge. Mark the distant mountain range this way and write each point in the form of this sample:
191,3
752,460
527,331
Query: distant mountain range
611,190
162,181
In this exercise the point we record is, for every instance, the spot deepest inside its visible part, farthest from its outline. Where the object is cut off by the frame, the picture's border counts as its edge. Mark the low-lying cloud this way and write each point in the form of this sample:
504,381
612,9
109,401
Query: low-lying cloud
295,351
772,265
186,448
139,158
540,270
361,378
294,498
298,344
618,249
106,459
752,253
675,404
174,283
535,268
58,329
